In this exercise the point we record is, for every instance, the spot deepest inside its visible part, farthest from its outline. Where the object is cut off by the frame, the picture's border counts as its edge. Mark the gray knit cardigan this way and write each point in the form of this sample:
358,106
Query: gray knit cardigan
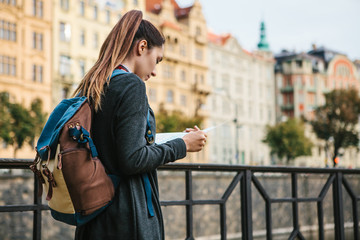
119,130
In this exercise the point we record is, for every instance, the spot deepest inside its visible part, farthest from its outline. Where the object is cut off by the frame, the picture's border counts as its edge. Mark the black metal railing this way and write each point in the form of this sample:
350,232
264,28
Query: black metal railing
245,176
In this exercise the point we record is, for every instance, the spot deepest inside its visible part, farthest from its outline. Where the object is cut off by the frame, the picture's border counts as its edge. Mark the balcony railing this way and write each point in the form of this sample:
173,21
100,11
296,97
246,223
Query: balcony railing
247,178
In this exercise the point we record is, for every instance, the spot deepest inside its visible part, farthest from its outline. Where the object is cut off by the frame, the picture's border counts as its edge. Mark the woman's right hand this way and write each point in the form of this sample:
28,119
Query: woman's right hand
195,140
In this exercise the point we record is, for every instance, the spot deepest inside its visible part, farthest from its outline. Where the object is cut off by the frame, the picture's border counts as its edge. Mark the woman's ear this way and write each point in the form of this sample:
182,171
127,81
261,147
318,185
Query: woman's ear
141,46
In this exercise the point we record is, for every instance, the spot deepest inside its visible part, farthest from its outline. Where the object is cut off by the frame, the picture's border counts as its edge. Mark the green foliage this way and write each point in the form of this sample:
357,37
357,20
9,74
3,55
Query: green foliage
18,124
175,122
5,117
287,139
336,121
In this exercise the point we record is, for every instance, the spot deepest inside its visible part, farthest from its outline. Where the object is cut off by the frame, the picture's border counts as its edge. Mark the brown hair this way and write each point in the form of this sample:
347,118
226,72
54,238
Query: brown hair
117,46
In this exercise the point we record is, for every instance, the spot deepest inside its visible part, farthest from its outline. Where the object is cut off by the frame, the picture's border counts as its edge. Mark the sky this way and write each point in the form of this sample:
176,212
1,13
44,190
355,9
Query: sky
293,25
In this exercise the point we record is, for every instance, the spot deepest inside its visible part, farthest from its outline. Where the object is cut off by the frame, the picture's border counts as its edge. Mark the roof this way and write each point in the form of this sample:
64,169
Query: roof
286,55
324,53
154,6
218,39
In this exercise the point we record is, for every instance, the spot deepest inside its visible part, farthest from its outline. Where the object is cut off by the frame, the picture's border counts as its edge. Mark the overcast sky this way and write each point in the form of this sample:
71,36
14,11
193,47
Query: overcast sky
291,24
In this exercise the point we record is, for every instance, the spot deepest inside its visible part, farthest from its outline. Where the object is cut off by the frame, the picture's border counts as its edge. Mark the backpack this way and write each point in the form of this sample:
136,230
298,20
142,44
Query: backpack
67,164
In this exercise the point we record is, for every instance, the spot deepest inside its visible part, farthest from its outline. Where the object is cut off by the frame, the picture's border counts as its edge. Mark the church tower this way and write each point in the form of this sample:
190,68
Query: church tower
263,45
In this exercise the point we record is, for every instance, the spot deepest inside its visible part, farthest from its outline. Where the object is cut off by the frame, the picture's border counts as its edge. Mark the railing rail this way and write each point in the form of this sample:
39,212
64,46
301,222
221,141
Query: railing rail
244,176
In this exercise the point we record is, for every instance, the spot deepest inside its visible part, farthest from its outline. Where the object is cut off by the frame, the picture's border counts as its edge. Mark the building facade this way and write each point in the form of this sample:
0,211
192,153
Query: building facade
302,79
181,81
25,57
242,102
79,29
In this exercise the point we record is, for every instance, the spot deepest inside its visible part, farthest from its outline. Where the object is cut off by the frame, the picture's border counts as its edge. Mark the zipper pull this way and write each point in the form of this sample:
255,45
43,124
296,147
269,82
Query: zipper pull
59,165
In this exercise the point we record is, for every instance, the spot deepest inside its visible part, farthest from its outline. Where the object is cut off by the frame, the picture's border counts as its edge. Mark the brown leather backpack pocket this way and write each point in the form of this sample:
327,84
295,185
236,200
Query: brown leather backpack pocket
89,186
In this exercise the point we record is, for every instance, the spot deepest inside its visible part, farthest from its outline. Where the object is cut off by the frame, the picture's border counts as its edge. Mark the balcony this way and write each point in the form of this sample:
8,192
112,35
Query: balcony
253,190
286,89
201,89
287,107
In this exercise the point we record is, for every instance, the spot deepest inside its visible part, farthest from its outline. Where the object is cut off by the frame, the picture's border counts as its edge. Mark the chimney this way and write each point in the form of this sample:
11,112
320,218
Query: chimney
314,46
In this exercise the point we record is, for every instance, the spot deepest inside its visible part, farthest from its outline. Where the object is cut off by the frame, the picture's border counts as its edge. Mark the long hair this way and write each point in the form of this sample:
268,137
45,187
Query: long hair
117,46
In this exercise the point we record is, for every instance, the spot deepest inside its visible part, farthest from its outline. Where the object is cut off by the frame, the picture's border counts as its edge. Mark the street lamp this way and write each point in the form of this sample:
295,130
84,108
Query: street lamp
235,121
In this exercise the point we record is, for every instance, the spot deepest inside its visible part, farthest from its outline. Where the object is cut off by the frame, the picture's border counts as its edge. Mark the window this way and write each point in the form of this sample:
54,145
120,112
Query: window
64,5
65,32
152,94
82,37
170,96
238,86
183,100
37,41
95,40
198,31
95,14
7,65
7,31
183,50
198,54
65,65
37,73
65,92
226,83
183,76
82,8
108,16
168,71
298,63
82,68
10,2
225,106
38,8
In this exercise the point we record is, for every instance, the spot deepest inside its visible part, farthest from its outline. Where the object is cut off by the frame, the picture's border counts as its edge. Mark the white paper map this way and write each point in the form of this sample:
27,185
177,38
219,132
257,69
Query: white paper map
164,137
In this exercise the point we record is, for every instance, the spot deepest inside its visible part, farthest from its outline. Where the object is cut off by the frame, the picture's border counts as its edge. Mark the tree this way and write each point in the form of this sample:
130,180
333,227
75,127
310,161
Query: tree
175,122
287,139
5,117
18,124
336,121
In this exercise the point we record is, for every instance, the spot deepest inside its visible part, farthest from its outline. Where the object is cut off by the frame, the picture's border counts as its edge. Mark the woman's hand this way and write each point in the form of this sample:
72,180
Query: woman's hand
195,139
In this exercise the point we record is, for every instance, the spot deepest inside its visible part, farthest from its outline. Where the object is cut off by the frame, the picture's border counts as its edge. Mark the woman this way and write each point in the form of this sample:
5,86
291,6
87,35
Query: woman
122,119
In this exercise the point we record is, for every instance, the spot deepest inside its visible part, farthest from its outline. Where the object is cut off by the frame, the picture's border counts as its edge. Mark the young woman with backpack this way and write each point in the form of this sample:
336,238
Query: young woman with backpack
121,125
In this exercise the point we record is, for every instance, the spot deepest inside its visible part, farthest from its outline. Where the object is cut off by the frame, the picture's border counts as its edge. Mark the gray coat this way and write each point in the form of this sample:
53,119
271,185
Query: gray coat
119,135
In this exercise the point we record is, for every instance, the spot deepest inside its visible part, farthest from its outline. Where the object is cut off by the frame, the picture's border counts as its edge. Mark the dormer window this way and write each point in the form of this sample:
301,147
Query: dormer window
198,31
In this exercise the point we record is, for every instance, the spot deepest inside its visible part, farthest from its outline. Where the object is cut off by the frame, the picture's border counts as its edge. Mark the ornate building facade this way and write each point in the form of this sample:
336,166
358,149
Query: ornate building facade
242,102
25,56
79,29
302,79
181,81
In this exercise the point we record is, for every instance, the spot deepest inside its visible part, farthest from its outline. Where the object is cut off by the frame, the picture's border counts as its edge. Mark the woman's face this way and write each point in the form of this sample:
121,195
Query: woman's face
146,64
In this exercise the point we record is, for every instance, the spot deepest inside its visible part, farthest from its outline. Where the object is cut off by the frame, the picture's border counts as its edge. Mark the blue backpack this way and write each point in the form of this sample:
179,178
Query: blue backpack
67,164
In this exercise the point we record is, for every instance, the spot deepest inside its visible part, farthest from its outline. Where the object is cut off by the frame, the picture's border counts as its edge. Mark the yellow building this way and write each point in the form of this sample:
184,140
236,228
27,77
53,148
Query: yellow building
25,56
79,29
181,82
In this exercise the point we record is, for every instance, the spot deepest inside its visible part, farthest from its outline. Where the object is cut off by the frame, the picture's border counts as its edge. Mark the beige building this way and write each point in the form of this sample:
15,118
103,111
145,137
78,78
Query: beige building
242,102
79,29
25,57
181,82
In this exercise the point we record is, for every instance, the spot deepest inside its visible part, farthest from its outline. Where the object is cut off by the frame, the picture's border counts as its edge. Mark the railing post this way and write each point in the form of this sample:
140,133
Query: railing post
246,206
295,207
338,207
37,212
189,206
223,221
